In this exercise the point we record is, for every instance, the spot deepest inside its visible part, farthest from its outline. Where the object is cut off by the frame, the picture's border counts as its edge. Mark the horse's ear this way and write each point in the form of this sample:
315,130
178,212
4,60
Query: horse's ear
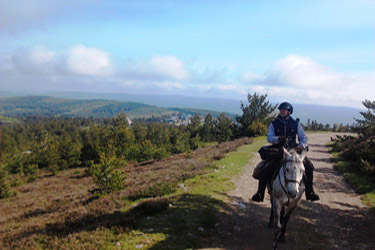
286,153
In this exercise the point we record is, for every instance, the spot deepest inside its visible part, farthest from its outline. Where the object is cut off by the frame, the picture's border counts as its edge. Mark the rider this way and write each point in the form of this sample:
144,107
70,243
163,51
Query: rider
283,132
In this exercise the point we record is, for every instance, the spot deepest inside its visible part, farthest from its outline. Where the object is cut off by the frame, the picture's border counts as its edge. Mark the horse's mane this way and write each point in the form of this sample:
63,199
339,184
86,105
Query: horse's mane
295,157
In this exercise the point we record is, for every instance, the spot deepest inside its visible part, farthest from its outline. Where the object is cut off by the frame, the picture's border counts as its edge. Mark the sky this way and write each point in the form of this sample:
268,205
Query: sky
313,52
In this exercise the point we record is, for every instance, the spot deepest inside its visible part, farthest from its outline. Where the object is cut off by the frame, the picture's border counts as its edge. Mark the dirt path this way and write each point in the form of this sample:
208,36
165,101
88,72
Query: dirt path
338,221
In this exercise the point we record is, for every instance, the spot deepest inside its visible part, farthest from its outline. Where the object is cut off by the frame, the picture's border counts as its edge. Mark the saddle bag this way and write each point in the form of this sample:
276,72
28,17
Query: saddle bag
271,153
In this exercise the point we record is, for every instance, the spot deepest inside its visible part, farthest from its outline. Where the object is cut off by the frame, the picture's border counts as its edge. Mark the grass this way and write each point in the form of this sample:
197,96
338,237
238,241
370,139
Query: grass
193,213
4,119
59,212
219,181
361,182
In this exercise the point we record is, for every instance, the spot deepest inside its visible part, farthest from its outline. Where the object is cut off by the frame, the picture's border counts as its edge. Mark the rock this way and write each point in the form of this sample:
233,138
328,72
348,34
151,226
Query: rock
139,246
241,206
181,185
234,203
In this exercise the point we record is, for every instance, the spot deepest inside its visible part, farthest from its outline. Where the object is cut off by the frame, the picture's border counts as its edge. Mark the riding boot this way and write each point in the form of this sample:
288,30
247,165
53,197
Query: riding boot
259,195
309,177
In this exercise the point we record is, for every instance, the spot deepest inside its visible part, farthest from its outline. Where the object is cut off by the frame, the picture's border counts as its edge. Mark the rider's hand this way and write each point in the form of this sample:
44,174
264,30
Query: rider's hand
299,148
282,139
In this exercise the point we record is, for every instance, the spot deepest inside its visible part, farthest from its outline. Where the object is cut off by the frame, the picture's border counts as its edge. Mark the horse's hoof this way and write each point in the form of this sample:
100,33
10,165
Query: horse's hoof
270,225
281,239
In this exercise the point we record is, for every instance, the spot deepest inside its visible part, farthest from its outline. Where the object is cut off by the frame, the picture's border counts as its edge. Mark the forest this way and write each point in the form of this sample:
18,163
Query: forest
92,108
35,144
54,143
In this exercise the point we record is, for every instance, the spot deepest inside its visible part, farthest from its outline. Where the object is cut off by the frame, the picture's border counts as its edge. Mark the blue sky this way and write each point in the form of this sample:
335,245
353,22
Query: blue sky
317,52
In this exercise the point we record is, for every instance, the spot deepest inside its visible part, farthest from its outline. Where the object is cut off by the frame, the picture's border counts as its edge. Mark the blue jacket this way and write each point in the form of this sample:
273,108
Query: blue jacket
289,128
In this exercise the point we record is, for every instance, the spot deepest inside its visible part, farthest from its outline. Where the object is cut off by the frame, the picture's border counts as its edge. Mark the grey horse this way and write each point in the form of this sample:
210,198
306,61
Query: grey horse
287,190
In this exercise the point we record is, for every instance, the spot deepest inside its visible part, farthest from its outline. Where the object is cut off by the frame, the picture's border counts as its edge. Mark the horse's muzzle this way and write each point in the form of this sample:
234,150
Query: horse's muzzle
293,194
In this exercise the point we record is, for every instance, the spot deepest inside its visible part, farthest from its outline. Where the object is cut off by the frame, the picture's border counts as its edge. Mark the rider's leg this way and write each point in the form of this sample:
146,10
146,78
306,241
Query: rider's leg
259,195
263,180
309,192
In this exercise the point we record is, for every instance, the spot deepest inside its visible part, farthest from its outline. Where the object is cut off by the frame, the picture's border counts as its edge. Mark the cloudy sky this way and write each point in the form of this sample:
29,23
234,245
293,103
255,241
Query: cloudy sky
317,52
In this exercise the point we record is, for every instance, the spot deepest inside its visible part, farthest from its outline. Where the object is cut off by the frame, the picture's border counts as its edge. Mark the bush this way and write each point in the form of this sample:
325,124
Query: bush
106,175
256,128
359,150
32,171
4,184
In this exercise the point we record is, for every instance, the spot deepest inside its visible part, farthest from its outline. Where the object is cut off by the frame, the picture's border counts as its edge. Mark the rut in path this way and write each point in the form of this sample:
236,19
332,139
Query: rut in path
338,221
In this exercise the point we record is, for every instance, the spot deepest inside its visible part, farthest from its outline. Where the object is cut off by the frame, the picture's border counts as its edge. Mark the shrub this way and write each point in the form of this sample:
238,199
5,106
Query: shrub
4,184
106,175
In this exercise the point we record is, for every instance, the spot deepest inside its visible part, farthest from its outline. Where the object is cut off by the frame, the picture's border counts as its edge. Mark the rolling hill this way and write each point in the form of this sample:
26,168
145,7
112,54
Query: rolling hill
97,108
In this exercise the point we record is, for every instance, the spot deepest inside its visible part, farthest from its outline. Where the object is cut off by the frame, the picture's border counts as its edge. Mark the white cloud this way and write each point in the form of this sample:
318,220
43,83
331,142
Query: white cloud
91,66
33,60
78,60
303,72
169,66
300,79
89,61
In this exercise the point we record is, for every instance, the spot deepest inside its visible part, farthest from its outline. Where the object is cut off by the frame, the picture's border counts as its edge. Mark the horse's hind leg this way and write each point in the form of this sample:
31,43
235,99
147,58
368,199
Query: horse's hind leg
285,220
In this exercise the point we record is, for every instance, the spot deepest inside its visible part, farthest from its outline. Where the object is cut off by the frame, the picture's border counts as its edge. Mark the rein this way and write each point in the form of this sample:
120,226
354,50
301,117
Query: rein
286,180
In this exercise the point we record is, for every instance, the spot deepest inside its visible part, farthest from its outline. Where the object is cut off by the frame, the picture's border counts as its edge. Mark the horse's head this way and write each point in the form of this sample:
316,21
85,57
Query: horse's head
293,171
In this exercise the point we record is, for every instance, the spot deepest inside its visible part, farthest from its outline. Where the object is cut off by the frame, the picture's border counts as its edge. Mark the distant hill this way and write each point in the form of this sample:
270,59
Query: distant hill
323,114
98,108
320,113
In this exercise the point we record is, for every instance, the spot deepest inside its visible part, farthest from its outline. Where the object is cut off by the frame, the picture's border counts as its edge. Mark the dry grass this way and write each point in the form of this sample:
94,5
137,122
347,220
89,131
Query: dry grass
60,212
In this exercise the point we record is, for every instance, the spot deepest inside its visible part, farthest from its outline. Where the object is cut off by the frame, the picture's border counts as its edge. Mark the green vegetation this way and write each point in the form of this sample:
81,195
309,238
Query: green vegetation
101,183
174,203
357,155
96,108
106,175
4,183
256,116
361,181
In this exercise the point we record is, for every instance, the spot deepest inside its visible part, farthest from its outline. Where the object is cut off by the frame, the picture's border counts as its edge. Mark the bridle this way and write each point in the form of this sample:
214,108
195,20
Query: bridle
286,180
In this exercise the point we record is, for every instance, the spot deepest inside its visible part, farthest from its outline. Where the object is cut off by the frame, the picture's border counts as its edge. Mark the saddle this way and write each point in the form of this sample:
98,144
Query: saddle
271,152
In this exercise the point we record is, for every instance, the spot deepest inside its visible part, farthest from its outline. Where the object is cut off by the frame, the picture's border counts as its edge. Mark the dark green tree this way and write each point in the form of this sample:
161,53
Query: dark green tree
224,128
194,125
256,115
4,183
69,152
366,126
208,129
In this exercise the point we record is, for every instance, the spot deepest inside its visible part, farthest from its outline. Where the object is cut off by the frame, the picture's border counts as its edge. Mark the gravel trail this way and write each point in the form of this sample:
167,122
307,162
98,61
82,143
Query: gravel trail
338,221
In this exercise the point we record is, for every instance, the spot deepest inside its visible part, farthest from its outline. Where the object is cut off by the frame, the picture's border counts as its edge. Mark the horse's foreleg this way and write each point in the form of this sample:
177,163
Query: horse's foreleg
270,223
277,226
282,215
284,223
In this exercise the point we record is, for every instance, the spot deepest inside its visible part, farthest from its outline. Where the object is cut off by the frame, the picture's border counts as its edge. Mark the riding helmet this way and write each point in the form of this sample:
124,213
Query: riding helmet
286,105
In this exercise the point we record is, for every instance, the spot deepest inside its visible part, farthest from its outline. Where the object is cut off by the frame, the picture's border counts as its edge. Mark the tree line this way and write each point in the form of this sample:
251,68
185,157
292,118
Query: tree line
57,143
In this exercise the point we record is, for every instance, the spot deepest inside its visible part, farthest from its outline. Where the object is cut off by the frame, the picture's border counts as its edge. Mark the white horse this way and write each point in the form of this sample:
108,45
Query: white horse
287,190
